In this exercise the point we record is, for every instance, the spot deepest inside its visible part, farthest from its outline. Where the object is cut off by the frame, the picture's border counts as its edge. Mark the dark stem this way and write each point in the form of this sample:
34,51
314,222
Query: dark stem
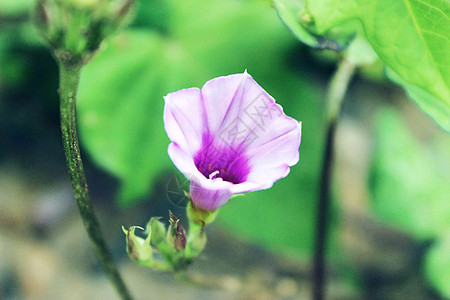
69,77
335,95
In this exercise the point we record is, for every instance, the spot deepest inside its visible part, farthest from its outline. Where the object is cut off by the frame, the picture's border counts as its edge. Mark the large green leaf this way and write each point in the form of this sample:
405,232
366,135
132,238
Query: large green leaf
120,110
439,110
409,36
409,183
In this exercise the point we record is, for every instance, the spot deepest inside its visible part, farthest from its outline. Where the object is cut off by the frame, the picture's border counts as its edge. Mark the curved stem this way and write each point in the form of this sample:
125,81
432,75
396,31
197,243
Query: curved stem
335,95
69,77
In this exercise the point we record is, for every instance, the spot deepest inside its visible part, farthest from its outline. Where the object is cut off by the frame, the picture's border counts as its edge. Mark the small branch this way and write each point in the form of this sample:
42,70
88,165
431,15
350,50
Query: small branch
336,91
69,77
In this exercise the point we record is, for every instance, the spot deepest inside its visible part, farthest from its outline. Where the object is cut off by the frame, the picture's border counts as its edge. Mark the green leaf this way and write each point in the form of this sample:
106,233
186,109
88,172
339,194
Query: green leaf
426,101
437,265
120,111
410,36
409,183
291,13
298,19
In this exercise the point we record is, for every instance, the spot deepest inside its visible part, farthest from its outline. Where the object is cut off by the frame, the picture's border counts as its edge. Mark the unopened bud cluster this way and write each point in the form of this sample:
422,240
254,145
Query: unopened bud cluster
176,248
75,28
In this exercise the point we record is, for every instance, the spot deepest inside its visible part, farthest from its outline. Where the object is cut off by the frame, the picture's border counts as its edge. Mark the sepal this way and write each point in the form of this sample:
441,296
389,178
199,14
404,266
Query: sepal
198,215
138,249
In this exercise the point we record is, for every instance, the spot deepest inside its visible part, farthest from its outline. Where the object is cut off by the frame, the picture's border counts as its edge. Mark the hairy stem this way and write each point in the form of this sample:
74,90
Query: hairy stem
69,77
335,95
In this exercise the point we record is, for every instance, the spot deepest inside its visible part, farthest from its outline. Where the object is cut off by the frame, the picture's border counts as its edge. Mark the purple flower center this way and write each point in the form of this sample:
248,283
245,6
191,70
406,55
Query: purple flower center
222,162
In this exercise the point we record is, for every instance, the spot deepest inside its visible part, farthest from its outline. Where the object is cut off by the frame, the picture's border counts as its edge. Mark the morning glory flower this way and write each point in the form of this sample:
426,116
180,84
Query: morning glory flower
229,137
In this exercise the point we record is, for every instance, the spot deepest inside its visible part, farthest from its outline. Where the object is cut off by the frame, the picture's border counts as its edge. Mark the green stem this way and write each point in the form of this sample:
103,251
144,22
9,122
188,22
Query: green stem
69,77
336,91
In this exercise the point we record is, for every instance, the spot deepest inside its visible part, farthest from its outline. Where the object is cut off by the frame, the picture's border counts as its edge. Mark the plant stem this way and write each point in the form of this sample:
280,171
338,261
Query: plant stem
335,94
69,77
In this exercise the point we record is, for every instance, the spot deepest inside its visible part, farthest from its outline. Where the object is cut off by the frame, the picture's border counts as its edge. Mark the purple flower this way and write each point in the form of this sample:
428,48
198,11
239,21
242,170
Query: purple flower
230,137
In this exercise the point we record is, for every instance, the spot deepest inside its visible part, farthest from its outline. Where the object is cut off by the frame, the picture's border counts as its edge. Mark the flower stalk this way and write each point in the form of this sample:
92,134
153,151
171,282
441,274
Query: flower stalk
74,31
335,95
69,78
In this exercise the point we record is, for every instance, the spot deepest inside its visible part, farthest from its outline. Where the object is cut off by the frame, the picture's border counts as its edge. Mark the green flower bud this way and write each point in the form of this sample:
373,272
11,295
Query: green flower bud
138,249
199,216
158,230
75,28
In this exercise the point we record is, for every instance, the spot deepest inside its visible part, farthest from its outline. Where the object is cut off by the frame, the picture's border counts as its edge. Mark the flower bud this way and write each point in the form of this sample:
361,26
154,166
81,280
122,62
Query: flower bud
158,230
180,238
75,28
176,236
138,249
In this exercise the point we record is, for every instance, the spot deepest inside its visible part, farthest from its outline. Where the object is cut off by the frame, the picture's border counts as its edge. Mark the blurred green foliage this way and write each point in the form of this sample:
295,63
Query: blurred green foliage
410,190
409,183
437,265
15,8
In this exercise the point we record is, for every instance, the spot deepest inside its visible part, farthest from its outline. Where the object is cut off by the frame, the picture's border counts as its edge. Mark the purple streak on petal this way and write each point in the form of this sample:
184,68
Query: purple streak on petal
205,116
237,95
221,96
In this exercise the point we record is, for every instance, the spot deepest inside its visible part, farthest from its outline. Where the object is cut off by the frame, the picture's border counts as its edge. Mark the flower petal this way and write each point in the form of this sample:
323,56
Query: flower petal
270,161
184,118
183,161
240,112
222,99
209,198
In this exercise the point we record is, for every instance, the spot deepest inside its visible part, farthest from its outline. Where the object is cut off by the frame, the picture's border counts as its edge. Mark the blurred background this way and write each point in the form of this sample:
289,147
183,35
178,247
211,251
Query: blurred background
390,234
